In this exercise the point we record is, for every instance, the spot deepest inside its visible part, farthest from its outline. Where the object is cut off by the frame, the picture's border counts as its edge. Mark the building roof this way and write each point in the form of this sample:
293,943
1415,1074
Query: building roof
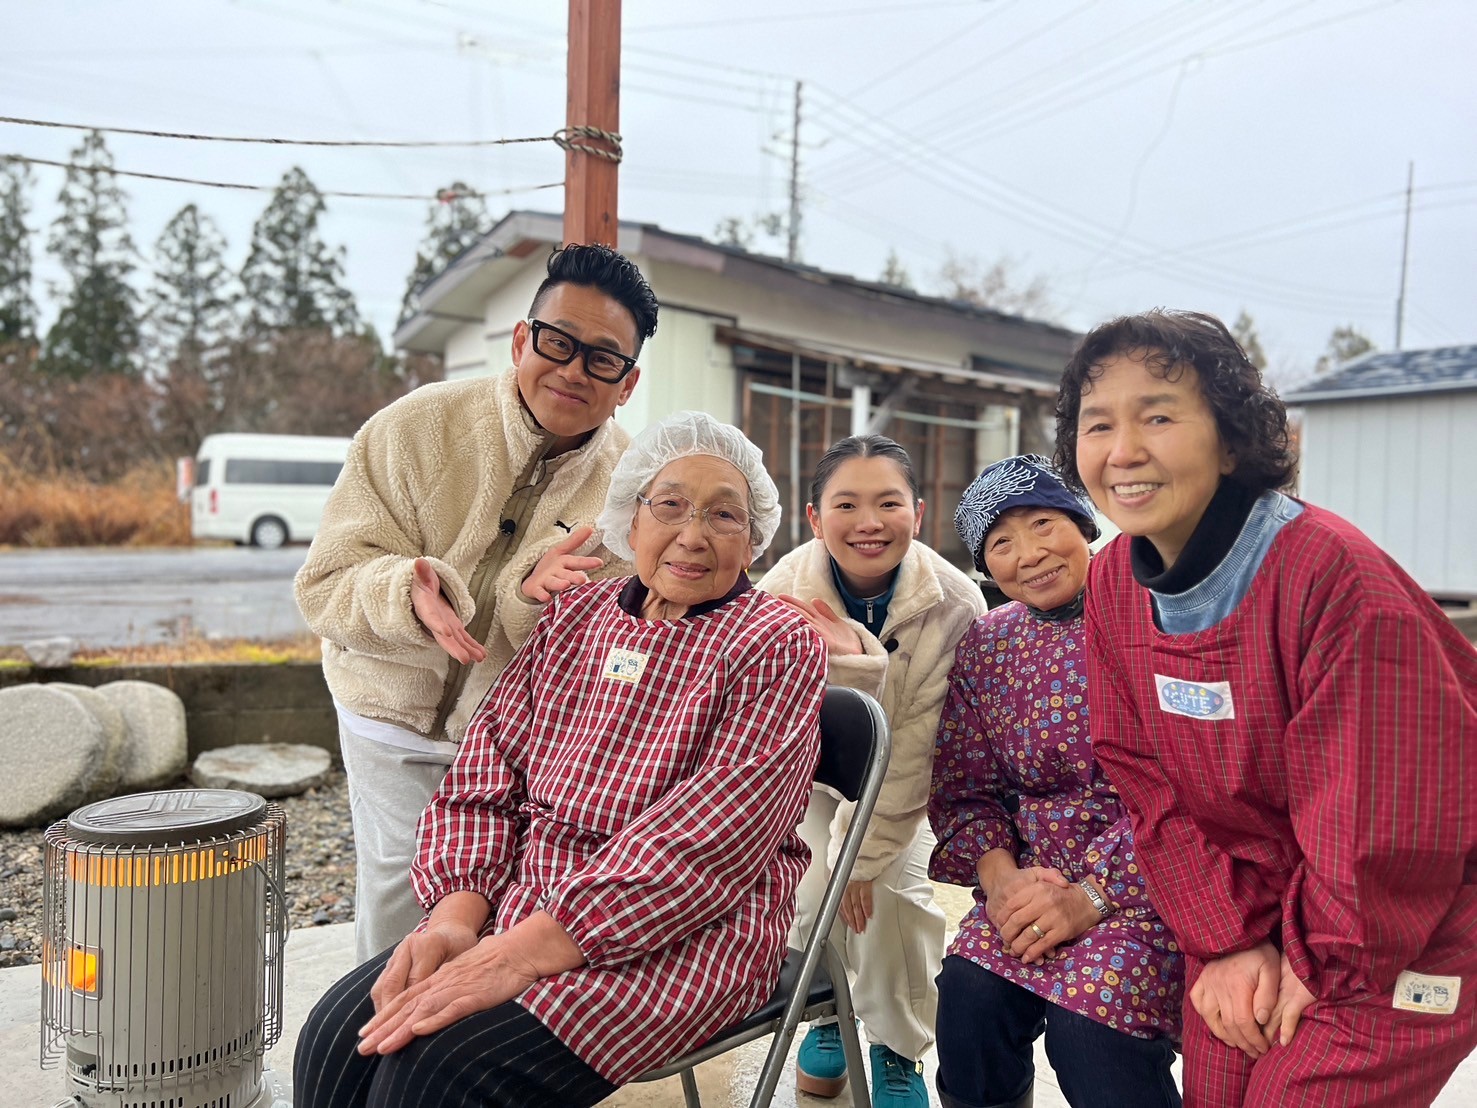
1397,373
454,296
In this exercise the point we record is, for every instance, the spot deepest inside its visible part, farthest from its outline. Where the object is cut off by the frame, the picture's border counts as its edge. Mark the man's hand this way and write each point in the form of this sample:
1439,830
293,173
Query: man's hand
1235,995
480,979
1043,915
840,639
439,617
856,905
561,568
1292,998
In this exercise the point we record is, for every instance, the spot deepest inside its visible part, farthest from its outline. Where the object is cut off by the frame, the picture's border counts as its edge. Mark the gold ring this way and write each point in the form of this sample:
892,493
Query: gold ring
1036,927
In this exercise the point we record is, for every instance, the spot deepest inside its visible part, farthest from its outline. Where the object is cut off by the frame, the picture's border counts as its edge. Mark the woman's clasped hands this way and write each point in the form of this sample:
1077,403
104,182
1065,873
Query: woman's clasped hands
1251,999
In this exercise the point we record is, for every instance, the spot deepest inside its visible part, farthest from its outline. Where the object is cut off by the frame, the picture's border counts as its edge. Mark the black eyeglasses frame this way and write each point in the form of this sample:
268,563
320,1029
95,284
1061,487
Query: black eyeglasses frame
538,326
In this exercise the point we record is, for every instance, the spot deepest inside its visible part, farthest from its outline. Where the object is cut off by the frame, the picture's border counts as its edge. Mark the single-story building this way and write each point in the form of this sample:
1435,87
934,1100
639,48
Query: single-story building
1389,442
795,356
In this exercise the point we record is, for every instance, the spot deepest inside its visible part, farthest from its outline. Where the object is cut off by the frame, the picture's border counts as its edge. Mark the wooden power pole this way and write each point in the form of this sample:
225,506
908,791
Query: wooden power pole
594,79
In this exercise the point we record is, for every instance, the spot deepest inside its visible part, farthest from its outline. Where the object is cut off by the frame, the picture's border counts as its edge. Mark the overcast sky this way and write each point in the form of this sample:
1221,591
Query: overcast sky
1216,155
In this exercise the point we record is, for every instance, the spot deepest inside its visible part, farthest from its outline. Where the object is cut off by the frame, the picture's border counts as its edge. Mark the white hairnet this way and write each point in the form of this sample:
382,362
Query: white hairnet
682,435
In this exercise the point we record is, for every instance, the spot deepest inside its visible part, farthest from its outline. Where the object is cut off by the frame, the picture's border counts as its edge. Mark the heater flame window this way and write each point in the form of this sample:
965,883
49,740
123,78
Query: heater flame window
82,970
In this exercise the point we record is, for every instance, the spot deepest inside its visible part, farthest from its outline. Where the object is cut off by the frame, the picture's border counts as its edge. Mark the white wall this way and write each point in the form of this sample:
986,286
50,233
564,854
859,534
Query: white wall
1401,469
682,368
478,350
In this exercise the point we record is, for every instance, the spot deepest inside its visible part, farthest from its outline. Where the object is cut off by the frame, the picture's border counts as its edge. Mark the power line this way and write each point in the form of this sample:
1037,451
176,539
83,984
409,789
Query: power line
382,143
444,196
798,17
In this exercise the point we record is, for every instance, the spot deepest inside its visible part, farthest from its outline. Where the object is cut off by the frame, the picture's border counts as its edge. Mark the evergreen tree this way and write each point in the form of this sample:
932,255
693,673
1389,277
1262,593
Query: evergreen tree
96,330
17,308
456,221
894,273
291,276
1344,345
1244,331
192,302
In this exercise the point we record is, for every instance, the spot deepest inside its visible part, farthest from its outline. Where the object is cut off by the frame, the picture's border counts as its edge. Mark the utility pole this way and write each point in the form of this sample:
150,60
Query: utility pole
594,82
1404,258
792,250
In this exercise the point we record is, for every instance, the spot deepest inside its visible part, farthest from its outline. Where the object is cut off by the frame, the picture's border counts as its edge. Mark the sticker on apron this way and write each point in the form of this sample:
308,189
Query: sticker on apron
1424,992
623,665
1198,700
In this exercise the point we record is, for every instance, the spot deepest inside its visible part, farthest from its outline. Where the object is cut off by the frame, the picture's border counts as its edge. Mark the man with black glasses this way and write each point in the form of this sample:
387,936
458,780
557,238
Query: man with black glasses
462,509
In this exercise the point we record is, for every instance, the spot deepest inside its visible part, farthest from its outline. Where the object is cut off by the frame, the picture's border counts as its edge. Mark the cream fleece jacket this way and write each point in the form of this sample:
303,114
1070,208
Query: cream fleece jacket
429,476
931,608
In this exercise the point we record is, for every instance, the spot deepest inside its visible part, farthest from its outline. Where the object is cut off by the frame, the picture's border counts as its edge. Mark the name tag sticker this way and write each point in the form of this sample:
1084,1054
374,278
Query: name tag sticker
1424,992
623,665
1210,700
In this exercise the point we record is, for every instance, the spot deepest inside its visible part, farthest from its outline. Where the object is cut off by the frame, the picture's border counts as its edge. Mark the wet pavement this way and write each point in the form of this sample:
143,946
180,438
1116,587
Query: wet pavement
110,596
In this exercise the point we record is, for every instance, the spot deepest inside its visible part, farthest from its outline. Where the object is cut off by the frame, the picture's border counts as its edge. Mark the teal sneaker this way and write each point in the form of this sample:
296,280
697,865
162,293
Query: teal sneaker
820,1067
897,1082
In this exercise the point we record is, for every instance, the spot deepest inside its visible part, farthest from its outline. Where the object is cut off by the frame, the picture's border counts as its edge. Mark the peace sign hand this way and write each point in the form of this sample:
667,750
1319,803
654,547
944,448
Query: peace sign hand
561,568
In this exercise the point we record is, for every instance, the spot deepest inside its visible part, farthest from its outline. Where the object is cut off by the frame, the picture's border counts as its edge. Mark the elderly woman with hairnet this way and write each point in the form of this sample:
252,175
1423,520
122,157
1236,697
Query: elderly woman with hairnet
609,867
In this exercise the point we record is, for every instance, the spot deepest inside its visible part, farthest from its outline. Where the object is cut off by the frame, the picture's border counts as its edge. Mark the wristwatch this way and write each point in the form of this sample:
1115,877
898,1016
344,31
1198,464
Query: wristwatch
1103,909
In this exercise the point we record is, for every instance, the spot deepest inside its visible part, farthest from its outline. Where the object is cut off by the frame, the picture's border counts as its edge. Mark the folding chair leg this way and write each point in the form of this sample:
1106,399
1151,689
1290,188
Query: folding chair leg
851,1047
689,1089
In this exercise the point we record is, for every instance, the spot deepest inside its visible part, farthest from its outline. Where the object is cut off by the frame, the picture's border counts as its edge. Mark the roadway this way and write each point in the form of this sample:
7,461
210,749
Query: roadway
112,596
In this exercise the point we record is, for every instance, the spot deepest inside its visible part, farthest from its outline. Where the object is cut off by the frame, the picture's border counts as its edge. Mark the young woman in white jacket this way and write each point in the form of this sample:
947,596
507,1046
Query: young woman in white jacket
891,611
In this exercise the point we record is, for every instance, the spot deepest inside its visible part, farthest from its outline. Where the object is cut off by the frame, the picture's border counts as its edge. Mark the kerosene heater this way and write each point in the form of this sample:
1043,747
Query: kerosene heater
163,934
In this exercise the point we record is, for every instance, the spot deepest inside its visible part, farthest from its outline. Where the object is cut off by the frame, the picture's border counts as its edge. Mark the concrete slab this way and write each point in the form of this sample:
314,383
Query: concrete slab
316,957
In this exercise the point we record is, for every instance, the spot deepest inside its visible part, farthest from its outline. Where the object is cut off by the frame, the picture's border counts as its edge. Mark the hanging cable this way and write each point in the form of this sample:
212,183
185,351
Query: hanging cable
445,196
275,141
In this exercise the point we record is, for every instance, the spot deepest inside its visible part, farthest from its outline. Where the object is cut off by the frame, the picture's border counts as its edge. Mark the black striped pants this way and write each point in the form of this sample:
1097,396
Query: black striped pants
502,1057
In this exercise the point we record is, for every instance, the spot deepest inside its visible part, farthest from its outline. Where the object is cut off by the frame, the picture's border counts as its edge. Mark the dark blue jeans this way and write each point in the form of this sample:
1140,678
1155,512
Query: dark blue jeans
986,1028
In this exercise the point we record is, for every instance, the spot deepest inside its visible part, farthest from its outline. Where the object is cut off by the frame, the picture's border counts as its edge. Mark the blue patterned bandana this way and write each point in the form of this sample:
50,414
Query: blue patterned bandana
1025,481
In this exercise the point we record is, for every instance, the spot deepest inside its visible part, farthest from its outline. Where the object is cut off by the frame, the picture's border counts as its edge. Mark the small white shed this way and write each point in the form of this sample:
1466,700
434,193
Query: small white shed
1389,442
794,355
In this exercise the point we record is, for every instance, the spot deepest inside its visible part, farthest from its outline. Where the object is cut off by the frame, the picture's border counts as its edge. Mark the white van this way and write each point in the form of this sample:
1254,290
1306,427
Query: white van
265,490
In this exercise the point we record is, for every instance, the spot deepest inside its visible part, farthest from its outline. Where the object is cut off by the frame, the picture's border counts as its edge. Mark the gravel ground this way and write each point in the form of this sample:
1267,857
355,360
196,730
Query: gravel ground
320,870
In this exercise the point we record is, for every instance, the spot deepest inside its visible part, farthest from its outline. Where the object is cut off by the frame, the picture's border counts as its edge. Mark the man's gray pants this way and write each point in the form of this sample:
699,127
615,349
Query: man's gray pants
389,787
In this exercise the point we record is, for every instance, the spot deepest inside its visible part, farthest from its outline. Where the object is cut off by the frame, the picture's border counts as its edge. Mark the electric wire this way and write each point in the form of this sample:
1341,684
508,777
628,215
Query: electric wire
444,195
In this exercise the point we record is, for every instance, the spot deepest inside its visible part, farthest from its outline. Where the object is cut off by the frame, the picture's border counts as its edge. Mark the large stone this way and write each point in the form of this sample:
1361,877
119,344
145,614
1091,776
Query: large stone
267,769
115,735
53,653
54,749
156,750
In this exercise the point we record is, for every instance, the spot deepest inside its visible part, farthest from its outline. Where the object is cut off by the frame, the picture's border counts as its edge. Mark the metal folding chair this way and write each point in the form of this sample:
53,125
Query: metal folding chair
855,745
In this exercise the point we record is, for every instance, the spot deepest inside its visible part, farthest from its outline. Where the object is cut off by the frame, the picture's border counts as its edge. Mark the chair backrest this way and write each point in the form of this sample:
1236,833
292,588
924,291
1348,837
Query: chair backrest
854,738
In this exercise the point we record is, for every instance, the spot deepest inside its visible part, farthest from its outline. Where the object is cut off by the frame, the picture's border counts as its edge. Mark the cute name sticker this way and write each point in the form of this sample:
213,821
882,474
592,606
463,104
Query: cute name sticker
623,665
1208,700
1425,992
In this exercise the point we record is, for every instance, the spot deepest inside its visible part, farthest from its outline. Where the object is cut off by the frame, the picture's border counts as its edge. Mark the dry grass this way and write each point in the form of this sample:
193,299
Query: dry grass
58,509
301,648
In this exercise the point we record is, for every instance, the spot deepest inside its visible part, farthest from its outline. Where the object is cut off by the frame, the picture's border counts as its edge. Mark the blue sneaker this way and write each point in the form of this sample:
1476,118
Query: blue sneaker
897,1082
820,1067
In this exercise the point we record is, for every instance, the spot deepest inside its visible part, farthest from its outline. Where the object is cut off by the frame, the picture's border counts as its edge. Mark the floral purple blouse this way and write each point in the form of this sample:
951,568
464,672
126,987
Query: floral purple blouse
1013,768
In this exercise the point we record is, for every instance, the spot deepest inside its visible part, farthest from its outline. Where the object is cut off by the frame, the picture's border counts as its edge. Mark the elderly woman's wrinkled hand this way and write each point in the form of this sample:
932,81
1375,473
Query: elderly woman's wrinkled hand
479,979
1293,998
840,639
419,955
1043,916
561,568
1235,995
1004,892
